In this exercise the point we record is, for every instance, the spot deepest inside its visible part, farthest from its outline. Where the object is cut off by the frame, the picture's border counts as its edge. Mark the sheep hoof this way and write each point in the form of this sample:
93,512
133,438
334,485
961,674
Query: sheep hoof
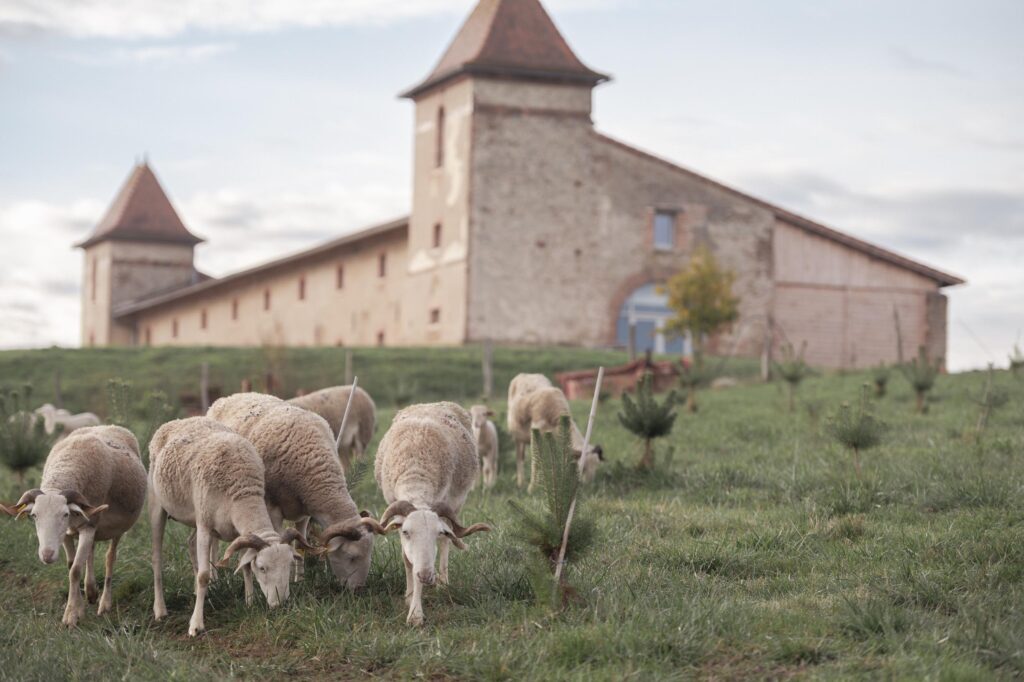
196,630
159,613
72,614
92,593
106,605
415,619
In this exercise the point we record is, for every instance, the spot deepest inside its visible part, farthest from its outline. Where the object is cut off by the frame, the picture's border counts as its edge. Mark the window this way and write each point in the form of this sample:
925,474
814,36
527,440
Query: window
665,230
202,319
439,140
437,235
380,338
302,288
149,336
382,265
266,299
174,328
234,309
339,277
435,315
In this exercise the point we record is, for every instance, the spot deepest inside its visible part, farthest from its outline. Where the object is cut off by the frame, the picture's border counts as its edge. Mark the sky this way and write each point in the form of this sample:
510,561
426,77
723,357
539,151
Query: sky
275,125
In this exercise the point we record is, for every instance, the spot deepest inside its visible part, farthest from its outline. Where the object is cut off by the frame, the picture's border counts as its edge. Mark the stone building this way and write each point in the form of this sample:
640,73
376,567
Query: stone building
527,226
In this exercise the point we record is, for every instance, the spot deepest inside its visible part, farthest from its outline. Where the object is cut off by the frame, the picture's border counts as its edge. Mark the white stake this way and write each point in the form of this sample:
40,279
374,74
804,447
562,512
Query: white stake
572,505
344,417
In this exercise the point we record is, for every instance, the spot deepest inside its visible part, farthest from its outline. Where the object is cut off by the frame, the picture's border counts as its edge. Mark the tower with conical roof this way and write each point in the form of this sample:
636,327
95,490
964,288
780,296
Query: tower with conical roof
139,248
507,82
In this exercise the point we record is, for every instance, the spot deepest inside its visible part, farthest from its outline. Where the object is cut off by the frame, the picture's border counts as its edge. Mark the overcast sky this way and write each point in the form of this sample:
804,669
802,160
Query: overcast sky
274,125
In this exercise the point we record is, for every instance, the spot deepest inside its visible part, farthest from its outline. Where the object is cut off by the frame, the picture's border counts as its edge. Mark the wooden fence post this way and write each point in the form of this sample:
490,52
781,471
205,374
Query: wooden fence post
204,387
488,369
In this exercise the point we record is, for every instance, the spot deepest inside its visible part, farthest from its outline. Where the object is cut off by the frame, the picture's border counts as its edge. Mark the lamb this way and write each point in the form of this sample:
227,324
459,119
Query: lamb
52,417
542,409
204,475
94,486
485,434
330,404
426,465
304,479
521,386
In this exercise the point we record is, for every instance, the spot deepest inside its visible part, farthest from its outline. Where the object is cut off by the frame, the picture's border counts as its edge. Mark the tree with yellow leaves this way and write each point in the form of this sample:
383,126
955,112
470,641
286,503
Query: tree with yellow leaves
701,296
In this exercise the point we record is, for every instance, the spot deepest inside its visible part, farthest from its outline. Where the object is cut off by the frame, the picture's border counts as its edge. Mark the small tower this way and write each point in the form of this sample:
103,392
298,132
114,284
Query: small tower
507,97
140,248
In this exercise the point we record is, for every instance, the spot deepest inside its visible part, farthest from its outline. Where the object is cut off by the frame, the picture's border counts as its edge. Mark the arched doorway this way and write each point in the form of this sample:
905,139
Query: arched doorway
647,311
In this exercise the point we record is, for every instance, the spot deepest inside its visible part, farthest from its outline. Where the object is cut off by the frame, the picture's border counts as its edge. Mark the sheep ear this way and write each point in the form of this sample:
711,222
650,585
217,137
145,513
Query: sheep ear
490,413
88,512
333,545
453,538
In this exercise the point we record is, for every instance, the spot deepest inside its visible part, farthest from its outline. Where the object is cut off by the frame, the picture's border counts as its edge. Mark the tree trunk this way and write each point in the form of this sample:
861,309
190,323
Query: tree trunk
691,399
792,397
920,402
647,460
856,461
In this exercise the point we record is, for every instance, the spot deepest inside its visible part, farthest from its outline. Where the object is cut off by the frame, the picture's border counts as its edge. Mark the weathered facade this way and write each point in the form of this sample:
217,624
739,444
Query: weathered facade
527,226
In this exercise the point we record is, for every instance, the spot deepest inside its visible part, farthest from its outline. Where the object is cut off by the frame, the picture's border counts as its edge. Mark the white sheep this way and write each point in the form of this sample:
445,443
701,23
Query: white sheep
94,486
426,465
542,409
204,475
53,417
303,477
330,404
485,435
521,386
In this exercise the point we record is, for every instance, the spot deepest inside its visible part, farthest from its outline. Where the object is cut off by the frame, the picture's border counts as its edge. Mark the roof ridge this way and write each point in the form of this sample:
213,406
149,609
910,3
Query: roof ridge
797,220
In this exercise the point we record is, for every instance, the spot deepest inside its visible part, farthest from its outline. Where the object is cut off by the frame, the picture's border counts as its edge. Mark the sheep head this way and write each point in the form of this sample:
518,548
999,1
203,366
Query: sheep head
349,547
271,563
54,514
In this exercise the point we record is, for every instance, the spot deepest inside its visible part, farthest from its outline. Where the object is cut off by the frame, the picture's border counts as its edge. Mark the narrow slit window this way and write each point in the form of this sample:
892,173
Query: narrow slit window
439,140
202,319
174,328
382,265
437,235
234,309
266,299
302,288
435,315
339,277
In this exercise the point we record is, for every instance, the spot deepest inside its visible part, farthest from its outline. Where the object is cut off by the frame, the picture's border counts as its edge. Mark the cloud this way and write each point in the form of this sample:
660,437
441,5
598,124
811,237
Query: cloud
161,19
908,60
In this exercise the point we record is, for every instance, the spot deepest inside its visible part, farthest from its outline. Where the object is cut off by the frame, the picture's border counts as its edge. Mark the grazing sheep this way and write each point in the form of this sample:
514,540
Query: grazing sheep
94,486
426,465
303,476
542,409
52,417
485,434
521,386
204,475
330,404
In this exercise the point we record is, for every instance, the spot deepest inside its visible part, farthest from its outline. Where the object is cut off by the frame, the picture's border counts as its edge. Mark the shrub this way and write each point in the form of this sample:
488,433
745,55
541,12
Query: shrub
793,369
702,299
856,428
1017,361
881,377
921,372
646,418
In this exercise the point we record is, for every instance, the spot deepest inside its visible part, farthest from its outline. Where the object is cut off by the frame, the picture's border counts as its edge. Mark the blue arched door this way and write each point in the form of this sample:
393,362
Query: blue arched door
648,311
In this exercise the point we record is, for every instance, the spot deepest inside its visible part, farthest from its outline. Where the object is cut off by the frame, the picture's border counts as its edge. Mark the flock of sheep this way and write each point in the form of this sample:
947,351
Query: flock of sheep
255,461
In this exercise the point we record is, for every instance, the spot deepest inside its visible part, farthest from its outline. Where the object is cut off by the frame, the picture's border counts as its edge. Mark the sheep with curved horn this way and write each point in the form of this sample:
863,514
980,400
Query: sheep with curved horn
426,464
204,475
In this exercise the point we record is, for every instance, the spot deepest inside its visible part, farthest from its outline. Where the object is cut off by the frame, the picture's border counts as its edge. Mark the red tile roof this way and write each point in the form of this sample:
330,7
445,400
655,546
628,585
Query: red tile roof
511,38
141,213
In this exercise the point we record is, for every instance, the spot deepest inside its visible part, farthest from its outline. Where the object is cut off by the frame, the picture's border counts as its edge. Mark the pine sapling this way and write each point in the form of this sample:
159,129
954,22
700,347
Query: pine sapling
921,372
992,398
881,377
24,442
646,418
793,370
692,376
558,480
1017,362
856,428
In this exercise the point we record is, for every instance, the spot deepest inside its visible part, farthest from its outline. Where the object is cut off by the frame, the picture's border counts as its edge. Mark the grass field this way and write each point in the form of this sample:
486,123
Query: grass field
752,552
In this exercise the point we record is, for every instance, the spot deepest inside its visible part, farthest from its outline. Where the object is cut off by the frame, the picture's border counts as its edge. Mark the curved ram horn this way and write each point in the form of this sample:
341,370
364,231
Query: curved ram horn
28,498
374,525
293,535
446,513
345,529
241,542
75,497
397,508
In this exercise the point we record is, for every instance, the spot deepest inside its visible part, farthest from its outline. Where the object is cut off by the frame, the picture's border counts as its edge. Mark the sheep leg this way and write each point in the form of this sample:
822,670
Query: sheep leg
247,579
196,625
107,600
75,609
92,593
192,556
409,579
520,456
214,553
69,549
444,544
157,521
415,616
